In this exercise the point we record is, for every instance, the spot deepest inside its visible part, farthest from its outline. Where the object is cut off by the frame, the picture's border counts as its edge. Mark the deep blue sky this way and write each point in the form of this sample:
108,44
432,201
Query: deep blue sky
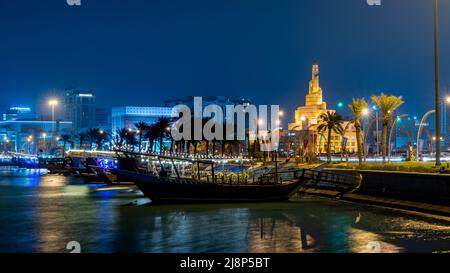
142,52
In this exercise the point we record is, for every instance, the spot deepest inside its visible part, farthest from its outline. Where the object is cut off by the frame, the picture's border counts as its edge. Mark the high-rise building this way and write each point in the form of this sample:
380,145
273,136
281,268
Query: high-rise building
79,108
103,118
127,116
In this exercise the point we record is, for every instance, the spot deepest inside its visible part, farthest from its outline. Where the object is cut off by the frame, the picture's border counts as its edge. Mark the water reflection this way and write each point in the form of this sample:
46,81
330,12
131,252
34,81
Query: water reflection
305,225
43,214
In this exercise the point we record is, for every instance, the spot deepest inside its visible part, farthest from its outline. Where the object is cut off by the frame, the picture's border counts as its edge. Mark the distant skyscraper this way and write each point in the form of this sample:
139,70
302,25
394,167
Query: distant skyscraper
79,108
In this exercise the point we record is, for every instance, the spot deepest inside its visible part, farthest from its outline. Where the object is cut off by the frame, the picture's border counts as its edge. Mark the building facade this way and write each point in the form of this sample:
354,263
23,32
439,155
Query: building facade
103,118
79,108
127,116
31,136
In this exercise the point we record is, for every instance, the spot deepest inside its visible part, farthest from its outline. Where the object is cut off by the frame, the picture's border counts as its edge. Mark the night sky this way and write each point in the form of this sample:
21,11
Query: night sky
142,52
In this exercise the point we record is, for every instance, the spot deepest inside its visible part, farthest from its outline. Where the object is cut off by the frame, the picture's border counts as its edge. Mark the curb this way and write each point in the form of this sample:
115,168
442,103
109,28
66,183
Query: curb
383,202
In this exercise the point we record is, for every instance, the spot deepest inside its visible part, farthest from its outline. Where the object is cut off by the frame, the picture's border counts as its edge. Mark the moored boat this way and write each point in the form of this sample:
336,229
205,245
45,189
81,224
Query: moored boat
185,190
166,184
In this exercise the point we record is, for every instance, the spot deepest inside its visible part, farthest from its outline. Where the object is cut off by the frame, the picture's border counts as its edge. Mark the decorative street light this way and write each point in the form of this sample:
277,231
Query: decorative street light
396,120
436,84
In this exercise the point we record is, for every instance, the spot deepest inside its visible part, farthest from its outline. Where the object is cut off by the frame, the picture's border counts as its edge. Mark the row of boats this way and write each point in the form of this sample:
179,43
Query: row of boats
174,179
184,179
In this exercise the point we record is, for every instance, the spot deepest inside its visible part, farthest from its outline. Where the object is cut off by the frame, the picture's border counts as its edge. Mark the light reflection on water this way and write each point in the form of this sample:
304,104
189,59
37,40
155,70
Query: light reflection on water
42,214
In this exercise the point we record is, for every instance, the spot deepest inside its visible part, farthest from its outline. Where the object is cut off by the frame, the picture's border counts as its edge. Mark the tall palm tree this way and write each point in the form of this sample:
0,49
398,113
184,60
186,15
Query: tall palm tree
357,107
344,140
81,138
330,122
119,138
152,135
100,138
387,105
65,139
130,140
163,128
92,133
141,127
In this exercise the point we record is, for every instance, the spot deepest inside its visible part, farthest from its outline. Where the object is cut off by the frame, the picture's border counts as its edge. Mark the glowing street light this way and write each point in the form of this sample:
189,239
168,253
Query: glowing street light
365,112
281,113
260,122
340,104
53,103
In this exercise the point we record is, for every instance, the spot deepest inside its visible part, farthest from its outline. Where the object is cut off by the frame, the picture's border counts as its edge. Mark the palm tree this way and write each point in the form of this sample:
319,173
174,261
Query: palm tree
152,135
65,139
119,138
328,122
344,141
357,107
92,133
163,129
387,105
130,140
81,138
141,127
100,138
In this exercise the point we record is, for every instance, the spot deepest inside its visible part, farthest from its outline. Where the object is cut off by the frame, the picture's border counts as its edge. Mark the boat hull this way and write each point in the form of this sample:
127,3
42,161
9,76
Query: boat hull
169,190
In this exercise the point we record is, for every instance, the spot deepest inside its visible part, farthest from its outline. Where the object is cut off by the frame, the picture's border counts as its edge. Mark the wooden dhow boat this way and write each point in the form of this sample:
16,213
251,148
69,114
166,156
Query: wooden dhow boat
204,185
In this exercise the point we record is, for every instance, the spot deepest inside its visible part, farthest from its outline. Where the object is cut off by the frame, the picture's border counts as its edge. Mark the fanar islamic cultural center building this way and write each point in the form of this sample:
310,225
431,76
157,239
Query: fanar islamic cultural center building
303,132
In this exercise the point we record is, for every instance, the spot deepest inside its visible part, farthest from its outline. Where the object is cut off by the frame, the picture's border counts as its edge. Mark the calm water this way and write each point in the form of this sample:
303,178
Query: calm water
44,214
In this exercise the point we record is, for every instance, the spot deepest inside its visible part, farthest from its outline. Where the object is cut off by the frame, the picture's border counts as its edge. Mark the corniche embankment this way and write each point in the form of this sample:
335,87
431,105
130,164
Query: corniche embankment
422,192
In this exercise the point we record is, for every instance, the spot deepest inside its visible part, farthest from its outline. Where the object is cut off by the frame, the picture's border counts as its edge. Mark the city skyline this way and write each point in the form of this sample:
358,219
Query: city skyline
271,66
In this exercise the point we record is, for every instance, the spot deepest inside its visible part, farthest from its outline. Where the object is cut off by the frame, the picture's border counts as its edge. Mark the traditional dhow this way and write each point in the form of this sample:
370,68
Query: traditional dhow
169,184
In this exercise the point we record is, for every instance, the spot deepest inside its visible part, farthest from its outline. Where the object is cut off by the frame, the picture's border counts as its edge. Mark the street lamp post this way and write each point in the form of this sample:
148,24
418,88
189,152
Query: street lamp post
53,103
44,135
436,84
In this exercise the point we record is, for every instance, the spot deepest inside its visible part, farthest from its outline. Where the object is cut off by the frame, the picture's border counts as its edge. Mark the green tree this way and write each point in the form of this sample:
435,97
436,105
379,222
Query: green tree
387,105
357,107
81,138
130,140
92,133
330,122
162,126
151,135
118,139
65,139
141,128
100,138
